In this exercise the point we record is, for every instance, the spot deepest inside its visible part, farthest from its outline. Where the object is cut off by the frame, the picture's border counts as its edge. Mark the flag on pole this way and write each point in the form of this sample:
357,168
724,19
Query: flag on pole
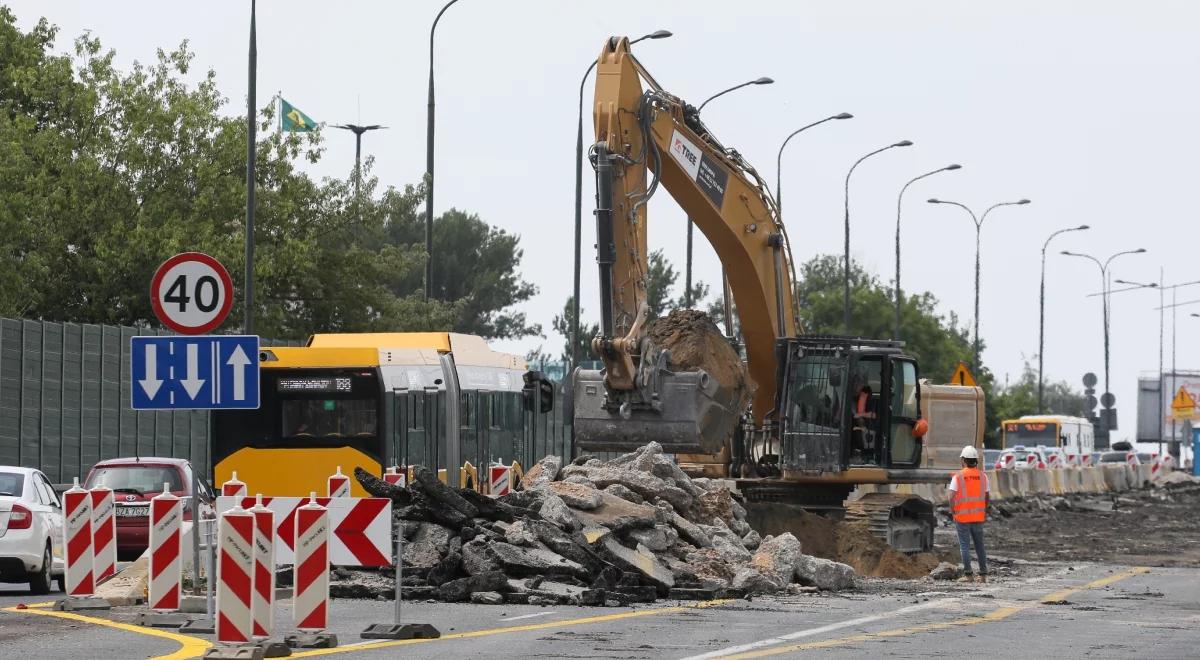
292,120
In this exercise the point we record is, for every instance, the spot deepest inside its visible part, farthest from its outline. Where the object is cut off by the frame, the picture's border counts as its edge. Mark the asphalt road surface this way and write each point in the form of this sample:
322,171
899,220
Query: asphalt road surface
1066,611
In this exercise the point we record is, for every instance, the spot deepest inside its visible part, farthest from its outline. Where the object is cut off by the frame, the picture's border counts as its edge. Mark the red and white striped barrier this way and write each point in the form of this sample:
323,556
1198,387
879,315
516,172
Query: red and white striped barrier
104,534
262,604
499,479
235,576
339,484
77,536
394,476
166,562
311,600
361,527
234,488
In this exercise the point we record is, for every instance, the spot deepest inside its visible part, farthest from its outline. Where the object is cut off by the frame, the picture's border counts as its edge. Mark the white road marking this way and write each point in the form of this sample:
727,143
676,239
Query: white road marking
528,616
809,632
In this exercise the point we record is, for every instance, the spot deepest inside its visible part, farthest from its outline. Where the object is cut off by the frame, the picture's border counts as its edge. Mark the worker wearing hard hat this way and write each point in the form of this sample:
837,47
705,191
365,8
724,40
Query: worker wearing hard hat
969,493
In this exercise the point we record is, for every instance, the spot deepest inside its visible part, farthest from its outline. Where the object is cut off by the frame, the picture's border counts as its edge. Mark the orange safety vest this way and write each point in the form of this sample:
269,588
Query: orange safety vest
970,500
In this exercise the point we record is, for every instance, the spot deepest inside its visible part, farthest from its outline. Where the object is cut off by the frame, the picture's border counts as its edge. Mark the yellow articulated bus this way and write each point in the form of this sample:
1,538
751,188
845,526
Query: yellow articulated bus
371,401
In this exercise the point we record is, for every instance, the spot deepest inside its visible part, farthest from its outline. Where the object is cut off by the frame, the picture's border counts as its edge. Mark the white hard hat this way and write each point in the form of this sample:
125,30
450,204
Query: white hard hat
969,452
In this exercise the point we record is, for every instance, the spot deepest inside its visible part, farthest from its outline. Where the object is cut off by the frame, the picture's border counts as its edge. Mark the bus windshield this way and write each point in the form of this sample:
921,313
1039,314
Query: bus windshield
1031,434
306,408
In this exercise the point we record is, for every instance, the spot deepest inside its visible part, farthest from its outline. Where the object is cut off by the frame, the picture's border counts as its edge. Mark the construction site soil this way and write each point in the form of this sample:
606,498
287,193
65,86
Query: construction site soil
1157,526
696,343
853,544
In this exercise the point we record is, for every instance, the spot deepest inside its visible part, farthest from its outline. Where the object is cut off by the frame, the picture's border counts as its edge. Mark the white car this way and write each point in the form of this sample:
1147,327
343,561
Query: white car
31,530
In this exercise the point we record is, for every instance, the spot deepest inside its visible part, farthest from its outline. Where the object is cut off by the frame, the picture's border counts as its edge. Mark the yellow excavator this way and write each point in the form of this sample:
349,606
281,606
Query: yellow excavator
828,413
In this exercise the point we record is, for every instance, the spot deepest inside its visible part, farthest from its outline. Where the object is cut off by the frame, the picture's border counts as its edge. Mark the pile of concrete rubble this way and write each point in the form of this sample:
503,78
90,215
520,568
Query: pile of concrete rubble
631,529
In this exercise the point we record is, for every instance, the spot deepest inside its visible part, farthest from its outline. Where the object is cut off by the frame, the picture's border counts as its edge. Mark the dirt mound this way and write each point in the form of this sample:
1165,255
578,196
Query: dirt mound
870,555
817,535
854,544
696,343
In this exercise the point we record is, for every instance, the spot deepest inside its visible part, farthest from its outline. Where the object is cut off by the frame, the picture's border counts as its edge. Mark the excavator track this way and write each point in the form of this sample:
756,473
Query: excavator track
906,522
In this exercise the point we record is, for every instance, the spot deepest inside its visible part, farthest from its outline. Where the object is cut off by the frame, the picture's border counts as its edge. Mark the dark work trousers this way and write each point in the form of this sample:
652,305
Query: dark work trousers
969,533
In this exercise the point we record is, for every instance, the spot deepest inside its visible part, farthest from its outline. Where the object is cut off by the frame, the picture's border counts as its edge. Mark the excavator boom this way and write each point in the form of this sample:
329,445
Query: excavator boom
646,138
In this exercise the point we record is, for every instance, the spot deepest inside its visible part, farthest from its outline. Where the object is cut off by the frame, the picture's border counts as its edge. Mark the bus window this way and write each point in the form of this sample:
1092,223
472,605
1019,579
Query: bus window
1031,434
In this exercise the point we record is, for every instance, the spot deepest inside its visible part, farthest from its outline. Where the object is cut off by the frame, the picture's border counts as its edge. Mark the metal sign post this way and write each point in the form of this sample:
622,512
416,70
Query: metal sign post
396,629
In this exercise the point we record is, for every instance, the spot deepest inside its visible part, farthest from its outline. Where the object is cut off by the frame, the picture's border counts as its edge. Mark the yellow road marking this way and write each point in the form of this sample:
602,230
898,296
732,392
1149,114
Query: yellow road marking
513,629
189,647
994,615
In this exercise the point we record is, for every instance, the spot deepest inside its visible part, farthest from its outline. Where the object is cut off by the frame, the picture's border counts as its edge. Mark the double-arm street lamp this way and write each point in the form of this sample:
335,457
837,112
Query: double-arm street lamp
846,263
358,133
574,339
978,231
899,202
1042,313
1106,290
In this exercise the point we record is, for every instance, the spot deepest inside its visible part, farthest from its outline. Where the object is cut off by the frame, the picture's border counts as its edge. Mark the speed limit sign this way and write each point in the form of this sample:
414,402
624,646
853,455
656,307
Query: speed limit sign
191,293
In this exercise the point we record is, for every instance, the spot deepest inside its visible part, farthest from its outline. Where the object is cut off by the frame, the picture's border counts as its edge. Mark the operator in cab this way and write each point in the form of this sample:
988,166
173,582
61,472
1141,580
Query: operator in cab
969,495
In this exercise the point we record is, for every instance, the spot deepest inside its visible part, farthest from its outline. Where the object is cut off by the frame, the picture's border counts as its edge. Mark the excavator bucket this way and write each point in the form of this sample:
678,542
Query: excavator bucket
690,413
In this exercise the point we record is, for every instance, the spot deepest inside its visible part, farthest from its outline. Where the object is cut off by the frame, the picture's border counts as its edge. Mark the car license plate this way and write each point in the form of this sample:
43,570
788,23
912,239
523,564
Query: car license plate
132,511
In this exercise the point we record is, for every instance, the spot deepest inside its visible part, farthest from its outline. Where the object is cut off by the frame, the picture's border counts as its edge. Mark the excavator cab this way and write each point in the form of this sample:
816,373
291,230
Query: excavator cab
846,403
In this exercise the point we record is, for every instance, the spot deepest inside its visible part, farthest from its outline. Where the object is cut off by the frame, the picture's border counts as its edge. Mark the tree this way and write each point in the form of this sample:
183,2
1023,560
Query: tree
1020,398
106,173
937,342
660,279
473,263
562,325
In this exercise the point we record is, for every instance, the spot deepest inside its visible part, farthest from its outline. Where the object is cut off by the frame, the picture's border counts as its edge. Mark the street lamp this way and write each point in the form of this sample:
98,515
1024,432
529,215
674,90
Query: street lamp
899,200
1042,312
657,34
1106,291
429,163
779,159
846,292
358,133
978,230
687,270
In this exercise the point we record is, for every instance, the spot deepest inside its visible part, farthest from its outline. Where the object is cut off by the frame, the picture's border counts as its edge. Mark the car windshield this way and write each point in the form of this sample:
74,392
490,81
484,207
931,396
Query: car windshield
1143,457
11,483
990,455
136,478
1112,457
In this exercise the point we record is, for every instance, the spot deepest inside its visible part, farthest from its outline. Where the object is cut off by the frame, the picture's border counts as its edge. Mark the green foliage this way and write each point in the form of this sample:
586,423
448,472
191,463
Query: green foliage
475,264
562,325
937,342
104,174
660,279
1020,398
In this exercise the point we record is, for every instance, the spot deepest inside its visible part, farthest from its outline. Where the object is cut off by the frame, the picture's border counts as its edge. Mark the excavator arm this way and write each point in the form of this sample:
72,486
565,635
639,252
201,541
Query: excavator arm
647,138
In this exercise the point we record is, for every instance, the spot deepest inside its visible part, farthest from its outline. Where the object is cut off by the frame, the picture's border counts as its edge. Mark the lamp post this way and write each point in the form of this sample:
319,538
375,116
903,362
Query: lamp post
574,339
846,264
727,303
899,201
1042,313
779,158
1106,291
358,133
429,163
978,231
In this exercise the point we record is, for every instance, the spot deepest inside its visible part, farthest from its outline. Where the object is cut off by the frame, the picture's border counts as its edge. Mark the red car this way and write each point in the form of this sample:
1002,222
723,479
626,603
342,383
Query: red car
134,481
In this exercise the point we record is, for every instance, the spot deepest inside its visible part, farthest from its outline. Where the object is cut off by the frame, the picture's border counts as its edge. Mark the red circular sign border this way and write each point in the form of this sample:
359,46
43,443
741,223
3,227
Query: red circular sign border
175,261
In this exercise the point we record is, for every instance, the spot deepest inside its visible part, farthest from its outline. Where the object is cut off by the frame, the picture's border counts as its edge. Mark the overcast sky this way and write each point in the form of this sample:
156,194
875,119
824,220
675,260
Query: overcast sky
1088,108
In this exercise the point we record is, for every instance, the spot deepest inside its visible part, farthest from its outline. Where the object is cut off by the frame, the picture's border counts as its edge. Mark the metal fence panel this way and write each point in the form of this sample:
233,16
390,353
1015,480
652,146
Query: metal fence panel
31,394
91,387
10,392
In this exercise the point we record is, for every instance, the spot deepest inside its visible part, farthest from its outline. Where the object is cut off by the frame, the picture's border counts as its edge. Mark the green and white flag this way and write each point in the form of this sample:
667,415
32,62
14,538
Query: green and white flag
292,120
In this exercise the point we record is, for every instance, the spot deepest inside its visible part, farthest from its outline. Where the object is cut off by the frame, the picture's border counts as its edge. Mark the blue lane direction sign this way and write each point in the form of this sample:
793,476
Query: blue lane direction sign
194,373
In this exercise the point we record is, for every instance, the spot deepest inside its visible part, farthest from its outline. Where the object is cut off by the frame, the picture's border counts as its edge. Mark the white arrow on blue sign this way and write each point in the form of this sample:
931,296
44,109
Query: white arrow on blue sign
194,373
